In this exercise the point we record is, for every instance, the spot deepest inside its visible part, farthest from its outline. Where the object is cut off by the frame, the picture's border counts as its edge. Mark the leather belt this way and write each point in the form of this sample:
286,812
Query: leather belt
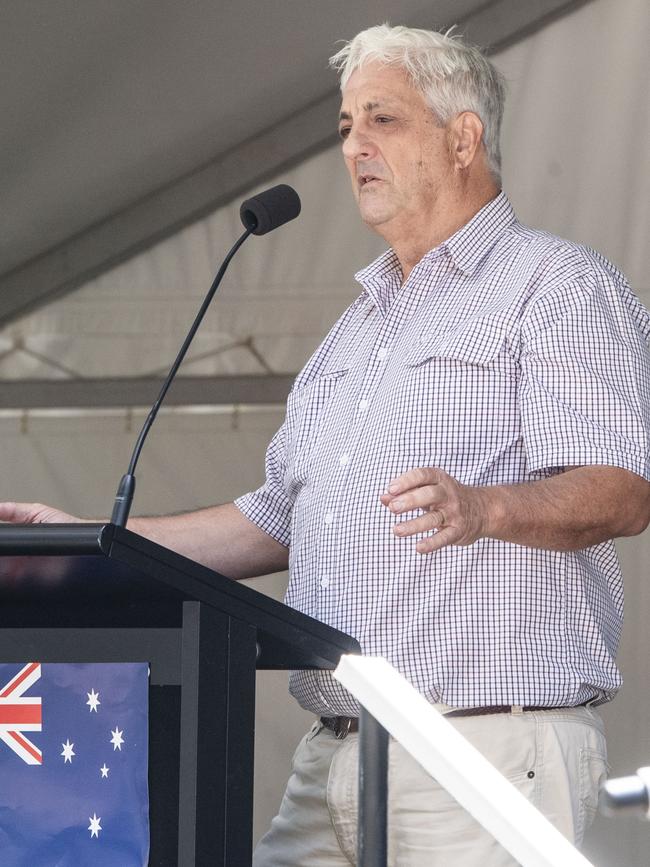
498,708
342,726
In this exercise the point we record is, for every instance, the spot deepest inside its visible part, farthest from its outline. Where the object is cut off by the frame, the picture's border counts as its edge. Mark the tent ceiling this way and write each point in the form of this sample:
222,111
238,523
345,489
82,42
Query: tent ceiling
124,121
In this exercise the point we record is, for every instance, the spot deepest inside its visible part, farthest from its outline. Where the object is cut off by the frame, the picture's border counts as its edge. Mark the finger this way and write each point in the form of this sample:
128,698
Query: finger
444,537
16,513
414,479
33,513
423,524
427,497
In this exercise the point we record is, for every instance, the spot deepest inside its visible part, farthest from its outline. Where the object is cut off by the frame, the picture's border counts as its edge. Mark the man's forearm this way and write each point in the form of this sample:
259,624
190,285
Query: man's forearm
220,537
578,508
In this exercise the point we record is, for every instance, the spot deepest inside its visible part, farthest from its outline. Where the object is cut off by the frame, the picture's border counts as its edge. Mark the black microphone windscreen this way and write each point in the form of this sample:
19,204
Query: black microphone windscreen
268,210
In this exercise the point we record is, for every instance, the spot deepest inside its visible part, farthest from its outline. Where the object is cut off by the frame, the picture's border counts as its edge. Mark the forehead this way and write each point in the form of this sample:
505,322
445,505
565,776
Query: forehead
376,84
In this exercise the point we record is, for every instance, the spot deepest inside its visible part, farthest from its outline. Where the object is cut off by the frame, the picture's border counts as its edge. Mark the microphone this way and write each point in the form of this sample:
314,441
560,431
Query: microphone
259,214
270,209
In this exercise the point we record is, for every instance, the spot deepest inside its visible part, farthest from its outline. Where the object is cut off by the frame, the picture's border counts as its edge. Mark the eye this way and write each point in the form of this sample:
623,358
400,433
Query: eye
383,119
344,132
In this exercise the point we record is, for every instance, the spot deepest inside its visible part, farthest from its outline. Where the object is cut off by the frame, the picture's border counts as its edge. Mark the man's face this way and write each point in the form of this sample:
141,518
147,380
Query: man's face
397,155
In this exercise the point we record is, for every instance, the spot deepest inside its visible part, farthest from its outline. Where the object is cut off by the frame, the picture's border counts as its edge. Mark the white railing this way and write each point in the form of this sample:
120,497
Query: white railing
456,764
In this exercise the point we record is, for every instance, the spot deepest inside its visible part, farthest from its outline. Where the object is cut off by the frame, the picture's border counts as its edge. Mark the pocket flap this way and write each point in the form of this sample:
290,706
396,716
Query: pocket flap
326,376
479,344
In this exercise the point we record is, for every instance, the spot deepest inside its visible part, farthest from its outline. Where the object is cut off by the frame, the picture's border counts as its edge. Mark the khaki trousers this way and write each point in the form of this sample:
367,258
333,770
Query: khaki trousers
556,758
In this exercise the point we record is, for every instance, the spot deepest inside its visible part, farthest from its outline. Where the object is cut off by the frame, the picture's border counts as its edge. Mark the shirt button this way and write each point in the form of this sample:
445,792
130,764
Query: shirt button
344,459
362,406
324,582
382,353
329,517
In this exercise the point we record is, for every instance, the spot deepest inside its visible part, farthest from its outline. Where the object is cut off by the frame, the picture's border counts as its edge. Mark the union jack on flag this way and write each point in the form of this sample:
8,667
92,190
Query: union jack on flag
19,714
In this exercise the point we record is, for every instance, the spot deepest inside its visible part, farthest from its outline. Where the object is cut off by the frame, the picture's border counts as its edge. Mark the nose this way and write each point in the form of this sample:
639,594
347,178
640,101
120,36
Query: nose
358,145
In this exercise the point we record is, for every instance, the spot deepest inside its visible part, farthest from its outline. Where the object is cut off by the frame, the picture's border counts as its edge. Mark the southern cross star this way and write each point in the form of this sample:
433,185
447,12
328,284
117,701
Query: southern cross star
93,700
117,740
68,752
94,826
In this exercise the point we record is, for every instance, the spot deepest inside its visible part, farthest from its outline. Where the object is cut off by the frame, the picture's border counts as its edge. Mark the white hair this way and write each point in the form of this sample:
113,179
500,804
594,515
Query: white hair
452,75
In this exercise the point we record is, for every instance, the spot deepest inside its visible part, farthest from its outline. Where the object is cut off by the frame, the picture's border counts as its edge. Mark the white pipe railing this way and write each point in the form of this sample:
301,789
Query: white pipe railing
627,794
456,764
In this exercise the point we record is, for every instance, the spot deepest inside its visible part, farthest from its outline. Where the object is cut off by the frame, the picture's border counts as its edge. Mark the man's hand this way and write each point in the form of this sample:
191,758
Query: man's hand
34,513
457,512
571,510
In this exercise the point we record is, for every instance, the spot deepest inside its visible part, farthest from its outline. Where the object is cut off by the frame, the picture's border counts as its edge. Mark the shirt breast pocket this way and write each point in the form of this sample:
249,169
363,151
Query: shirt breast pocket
307,407
459,396
480,343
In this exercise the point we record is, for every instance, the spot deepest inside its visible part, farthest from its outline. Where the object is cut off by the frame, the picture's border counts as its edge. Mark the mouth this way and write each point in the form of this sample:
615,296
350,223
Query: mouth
365,180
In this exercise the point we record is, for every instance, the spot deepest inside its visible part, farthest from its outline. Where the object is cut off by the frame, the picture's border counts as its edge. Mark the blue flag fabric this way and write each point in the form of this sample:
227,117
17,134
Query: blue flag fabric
73,765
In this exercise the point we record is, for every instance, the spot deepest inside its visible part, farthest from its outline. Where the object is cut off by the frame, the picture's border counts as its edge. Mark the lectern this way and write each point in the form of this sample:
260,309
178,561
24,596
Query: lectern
99,593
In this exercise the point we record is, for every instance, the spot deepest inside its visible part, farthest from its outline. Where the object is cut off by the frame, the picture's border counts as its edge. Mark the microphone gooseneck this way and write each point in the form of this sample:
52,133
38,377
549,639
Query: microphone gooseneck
259,215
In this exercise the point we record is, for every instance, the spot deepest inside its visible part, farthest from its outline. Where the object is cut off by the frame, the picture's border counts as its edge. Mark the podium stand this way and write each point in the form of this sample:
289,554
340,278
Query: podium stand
99,593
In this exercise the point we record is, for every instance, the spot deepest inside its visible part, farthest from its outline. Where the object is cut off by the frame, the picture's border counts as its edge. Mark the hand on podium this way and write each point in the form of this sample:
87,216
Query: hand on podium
35,513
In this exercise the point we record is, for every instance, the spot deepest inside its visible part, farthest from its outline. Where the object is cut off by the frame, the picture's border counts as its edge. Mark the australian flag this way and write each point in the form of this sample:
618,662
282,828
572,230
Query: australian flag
73,765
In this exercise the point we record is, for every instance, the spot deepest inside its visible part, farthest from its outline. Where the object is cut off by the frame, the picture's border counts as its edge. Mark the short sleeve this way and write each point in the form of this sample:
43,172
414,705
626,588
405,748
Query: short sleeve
585,388
270,506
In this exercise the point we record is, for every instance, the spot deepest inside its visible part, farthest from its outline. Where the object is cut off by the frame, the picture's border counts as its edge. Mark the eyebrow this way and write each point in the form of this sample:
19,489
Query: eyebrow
369,106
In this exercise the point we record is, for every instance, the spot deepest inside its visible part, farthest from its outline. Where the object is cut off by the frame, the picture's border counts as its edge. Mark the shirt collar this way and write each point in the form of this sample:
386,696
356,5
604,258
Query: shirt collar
466,248
381,279
471,243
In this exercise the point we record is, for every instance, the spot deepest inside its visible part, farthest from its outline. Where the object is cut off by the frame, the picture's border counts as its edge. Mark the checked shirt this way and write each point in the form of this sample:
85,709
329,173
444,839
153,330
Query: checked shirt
507,356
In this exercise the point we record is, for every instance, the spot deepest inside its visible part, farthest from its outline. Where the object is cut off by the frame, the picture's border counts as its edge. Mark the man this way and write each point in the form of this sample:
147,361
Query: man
455,459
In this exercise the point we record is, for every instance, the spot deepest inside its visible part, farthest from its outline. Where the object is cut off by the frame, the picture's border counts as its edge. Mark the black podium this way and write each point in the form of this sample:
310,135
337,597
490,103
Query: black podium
99,593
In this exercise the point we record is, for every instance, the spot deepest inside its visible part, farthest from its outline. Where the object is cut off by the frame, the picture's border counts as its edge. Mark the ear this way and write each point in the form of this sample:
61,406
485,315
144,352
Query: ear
466,136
